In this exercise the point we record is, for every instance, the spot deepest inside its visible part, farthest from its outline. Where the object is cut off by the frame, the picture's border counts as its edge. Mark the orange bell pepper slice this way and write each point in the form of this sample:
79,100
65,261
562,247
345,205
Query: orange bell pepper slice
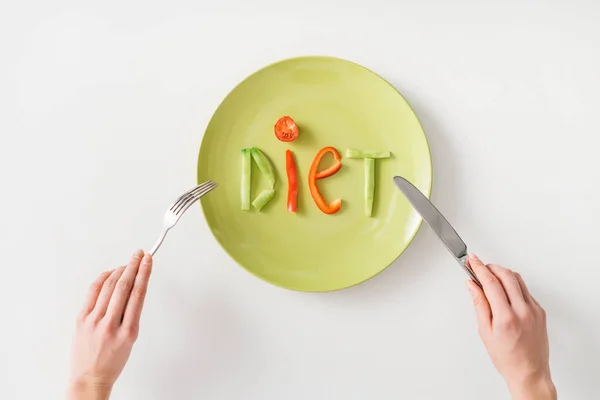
331,170
314,175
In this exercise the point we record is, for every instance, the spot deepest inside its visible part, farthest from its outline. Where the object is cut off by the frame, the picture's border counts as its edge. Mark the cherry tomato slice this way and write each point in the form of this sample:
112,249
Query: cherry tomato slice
286,129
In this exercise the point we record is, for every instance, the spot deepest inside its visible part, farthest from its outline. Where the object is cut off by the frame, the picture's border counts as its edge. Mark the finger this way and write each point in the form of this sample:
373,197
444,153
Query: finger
133,310
494,292
116,306
482,307
106,293
510,284
527,294
93,292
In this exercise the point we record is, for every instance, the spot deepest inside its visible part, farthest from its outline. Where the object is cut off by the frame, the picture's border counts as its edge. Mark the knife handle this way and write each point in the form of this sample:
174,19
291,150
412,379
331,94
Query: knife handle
463,262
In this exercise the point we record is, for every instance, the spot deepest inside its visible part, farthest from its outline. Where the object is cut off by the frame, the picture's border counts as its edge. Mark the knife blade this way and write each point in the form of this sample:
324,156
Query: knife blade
438,223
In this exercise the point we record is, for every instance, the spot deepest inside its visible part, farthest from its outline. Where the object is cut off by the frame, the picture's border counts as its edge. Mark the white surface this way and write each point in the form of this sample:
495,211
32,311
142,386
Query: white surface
102,113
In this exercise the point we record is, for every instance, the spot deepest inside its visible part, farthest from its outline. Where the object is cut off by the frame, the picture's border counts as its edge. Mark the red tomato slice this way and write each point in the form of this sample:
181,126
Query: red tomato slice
286,129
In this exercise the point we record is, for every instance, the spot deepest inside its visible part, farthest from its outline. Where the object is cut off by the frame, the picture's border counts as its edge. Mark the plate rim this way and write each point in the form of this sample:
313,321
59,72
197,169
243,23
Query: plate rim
428,194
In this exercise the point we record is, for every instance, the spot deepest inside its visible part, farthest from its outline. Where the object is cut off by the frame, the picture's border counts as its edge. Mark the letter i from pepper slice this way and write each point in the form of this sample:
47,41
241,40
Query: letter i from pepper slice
292,176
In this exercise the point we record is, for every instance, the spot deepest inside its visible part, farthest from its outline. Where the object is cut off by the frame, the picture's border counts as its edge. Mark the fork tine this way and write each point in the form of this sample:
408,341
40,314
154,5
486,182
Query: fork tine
180,198
183,206
191,200
189,194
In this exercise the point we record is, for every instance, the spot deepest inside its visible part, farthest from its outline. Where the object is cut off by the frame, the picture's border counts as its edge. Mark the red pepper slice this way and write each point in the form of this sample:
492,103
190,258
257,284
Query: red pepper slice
292,176
314,175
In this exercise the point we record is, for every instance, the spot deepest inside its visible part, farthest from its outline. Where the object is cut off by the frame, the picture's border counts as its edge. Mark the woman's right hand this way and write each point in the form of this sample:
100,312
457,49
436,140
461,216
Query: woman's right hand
512,326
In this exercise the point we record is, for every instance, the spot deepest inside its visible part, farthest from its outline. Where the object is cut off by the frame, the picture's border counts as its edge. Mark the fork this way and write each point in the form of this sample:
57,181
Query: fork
179,207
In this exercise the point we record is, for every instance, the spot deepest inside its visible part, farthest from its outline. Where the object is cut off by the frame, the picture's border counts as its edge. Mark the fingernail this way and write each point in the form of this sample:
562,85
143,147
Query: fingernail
474,257
138,253
147,259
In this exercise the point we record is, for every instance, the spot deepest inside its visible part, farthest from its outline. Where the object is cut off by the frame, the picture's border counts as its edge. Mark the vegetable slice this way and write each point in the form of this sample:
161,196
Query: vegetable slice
286,129
313,175
292,177
263,198
354,153
264,165
334,168
369,185
246,178
369,166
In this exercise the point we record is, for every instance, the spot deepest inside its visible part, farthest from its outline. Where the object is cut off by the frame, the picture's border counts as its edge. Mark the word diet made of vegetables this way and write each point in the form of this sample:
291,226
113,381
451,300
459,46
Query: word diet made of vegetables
286,130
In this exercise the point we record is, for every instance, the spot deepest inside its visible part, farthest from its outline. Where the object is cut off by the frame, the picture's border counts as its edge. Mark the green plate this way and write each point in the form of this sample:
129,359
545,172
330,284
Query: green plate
335,103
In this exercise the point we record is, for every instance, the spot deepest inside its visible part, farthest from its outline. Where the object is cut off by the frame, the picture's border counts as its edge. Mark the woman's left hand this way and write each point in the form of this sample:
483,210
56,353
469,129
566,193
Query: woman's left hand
107,327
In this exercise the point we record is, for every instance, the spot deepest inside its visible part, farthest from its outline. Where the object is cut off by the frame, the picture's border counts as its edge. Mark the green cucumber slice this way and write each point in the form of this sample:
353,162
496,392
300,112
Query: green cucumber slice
355,153
369,185
264,165
263,198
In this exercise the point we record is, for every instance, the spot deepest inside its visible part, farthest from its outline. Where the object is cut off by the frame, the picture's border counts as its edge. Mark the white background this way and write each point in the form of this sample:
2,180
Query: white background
102,110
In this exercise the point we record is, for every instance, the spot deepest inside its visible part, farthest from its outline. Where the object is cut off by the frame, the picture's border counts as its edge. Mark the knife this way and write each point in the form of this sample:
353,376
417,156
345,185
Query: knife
438,223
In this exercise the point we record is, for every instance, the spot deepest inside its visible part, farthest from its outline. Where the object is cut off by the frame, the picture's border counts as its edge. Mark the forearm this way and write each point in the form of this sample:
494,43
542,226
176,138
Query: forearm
88,391
542,389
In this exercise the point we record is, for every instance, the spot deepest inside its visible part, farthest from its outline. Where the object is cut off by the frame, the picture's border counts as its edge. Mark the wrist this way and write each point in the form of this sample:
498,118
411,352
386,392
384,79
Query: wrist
538,388
88,389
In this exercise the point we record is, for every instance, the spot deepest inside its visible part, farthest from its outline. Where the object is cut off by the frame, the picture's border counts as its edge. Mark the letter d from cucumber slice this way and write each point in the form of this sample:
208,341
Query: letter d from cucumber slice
369,185
263,198
266,169
246,178
264,165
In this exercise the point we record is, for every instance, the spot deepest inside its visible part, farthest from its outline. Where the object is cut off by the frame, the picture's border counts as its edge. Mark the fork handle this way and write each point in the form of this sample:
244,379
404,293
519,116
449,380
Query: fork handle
158,242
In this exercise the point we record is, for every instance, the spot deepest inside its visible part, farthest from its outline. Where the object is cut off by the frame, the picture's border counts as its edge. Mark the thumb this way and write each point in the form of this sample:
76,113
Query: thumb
482,306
